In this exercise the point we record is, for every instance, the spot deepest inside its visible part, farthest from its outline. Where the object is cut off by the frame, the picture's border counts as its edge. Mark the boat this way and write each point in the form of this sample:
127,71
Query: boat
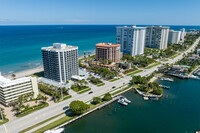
154,98
59,130
166,79
122,101
165,87
146,98
125,99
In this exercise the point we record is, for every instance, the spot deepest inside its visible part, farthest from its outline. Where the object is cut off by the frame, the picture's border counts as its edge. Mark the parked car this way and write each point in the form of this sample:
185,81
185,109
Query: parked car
114,87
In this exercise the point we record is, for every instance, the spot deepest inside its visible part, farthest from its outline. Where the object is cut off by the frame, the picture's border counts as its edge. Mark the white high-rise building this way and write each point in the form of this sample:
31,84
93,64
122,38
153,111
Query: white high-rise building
174,37
182,38
60,62
10,90
157,37
132,39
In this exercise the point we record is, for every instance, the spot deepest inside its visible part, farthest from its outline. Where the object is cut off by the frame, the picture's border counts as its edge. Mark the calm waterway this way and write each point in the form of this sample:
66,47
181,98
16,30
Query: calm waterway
179,113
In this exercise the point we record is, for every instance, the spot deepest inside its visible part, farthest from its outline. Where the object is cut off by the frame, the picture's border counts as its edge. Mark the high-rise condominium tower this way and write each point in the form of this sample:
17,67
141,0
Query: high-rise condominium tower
157,37
60,62
132,39
108,51
174,37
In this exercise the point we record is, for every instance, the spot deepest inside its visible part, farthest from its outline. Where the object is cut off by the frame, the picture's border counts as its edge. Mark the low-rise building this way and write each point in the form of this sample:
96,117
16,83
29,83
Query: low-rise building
192,32
10,90
108,51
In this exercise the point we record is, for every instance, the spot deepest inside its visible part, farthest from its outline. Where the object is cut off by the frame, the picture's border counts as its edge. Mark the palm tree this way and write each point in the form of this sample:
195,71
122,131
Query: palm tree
13,76
45,98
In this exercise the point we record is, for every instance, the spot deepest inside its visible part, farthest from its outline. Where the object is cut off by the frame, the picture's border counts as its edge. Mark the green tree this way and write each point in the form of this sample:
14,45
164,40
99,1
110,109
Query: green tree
96,100
78,107
107,97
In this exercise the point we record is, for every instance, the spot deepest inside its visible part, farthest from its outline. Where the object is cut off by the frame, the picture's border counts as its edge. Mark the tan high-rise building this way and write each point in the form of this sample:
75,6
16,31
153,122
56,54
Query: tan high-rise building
108,51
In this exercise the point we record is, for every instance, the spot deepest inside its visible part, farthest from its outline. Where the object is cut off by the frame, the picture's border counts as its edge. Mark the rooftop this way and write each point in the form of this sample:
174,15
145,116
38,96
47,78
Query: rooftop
8,82
132,27
107,45
60,47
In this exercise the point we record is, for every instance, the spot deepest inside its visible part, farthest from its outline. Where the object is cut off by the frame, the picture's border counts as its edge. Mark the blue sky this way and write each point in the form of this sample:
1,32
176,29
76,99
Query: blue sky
152,12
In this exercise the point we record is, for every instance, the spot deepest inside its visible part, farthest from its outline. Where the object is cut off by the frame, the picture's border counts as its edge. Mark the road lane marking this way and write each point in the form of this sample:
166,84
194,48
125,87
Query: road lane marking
5,127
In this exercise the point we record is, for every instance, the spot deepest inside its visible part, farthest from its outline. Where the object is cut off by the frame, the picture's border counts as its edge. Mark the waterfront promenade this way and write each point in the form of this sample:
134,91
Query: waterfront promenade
55,109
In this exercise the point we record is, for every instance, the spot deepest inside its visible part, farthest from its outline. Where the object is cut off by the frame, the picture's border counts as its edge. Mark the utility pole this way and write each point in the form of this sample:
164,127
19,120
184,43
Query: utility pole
1,114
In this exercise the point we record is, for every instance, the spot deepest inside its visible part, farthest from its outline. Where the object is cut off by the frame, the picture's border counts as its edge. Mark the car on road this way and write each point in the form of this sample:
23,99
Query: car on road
66,108
90,92
114,87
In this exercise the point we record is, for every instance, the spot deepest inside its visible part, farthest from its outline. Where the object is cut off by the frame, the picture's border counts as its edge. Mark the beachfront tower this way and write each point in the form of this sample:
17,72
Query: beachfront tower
182,34
60,62
132,39
108,51
157,37
174,37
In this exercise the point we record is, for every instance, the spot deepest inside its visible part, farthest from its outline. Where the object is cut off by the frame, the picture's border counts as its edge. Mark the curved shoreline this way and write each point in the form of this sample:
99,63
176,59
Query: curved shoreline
145,95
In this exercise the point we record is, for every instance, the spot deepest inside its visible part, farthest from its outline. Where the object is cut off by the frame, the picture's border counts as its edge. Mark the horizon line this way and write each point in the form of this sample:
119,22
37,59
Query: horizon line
93,24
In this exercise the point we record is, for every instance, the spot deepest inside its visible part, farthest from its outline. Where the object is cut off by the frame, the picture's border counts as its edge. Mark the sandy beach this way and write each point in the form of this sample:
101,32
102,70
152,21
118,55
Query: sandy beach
30,71
26,72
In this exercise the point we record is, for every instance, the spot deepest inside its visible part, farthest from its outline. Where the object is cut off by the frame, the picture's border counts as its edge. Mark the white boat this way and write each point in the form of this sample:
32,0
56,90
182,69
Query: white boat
166,79
126,100
146,98
121,101
59,130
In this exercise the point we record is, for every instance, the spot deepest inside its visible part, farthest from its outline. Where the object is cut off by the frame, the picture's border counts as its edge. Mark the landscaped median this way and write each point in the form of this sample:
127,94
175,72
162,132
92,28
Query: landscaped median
83,91
135,72
112,80
101,84
155,64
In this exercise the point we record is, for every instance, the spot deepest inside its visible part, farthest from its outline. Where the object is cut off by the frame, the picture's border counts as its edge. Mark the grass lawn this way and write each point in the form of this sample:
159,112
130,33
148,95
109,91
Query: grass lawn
83,91
174,56
112,80
33,110
165,60
114,93
54,124
101,84
34,126
79,88
64,98
4,121
135,72
38,74
155,64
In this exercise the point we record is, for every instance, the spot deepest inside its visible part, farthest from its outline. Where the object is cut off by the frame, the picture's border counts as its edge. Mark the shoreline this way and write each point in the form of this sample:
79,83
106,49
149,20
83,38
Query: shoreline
28,72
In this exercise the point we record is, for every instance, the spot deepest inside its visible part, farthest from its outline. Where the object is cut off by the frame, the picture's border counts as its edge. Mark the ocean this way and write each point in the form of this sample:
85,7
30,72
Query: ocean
20,46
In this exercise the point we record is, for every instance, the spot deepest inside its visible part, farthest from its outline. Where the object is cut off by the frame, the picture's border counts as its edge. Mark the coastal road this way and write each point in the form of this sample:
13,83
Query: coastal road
19,124
55,109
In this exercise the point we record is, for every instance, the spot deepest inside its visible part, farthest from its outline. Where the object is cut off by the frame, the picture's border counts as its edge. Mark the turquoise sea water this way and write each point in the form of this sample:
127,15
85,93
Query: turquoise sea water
179,113
20,45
